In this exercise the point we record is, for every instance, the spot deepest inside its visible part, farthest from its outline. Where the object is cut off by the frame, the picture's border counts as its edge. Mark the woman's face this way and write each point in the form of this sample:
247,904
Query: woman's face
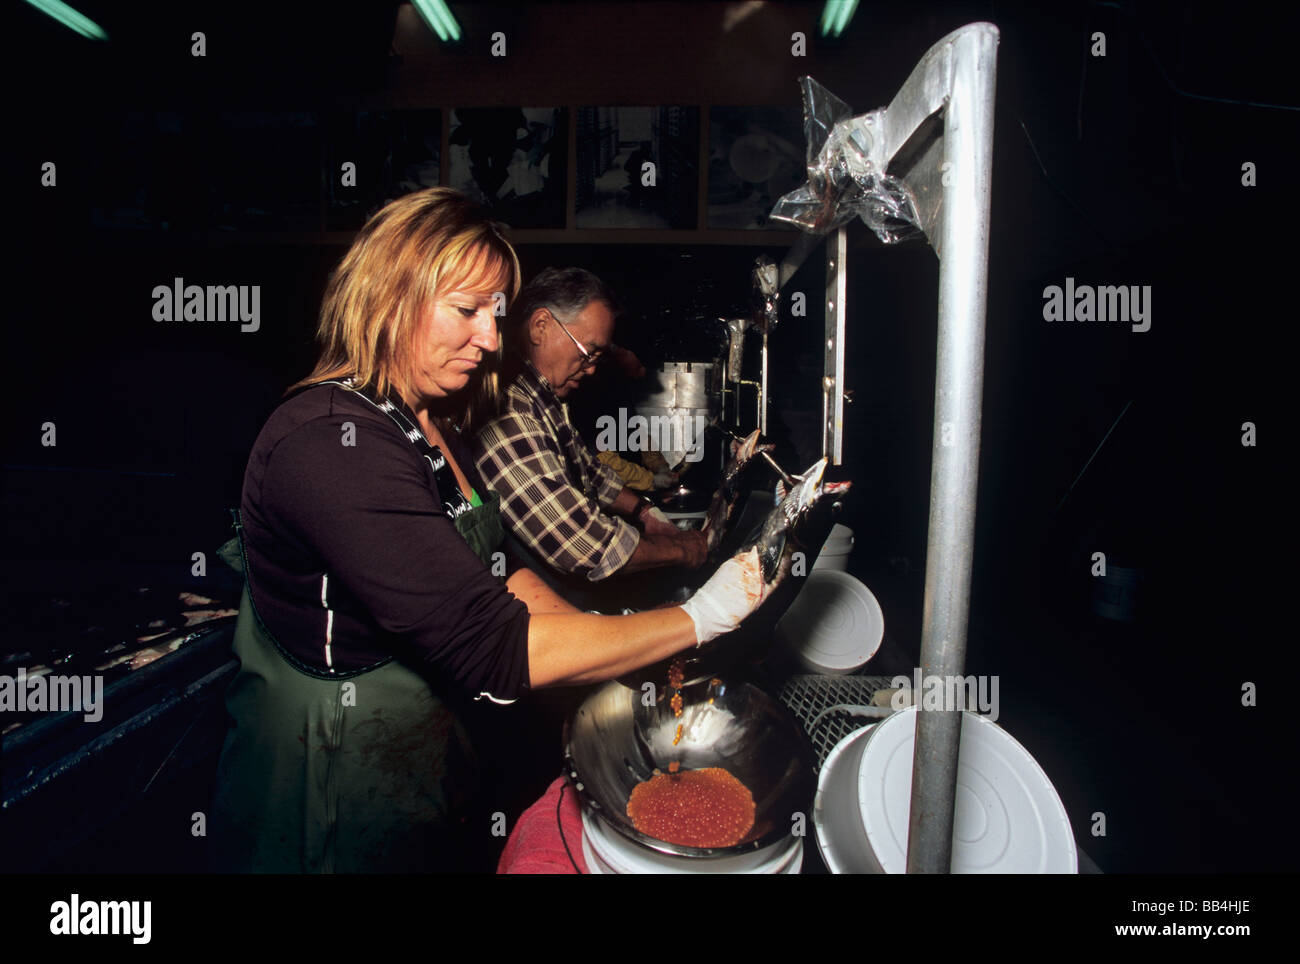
457,330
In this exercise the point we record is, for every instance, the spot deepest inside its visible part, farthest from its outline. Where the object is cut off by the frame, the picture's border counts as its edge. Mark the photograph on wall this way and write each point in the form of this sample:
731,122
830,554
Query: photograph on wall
511,159
375,156
638,167
756,155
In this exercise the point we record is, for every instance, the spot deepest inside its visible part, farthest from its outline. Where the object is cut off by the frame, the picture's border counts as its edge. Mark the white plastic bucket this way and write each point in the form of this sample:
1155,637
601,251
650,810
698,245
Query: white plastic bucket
609,852
1009,818
836,550
837,816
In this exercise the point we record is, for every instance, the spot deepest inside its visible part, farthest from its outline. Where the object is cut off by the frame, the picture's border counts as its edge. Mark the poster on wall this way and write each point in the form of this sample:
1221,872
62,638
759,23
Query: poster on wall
637,167
512,159
756,155
375,156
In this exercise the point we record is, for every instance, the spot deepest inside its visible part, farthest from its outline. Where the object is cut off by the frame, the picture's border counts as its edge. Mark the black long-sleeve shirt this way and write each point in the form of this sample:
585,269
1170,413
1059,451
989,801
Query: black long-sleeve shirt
352,559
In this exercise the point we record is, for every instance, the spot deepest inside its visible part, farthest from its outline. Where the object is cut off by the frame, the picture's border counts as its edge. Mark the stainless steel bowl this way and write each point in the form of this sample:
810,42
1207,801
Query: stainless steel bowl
614,741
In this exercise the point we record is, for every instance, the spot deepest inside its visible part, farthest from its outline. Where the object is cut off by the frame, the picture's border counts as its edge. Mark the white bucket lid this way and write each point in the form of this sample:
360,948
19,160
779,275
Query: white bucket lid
840,539
835,624
1009,818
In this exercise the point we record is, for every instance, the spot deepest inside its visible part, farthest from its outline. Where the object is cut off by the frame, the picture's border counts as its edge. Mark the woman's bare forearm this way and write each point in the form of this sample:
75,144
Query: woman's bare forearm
575,648
537,595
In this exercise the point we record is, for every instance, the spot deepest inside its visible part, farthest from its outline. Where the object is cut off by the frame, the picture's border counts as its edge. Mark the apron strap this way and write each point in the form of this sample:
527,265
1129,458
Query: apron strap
453,499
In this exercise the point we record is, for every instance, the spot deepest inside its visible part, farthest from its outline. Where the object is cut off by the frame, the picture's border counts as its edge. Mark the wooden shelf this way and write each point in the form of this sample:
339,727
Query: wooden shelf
520,236
643,236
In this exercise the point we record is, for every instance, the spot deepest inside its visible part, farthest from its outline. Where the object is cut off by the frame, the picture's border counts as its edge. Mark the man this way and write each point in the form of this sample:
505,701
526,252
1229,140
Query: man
557,498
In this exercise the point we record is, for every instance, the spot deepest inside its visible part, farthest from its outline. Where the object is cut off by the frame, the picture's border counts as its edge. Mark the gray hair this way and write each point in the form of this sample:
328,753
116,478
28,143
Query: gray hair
567,290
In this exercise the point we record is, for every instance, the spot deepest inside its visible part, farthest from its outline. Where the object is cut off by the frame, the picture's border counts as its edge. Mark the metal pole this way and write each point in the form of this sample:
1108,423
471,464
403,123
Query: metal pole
959,381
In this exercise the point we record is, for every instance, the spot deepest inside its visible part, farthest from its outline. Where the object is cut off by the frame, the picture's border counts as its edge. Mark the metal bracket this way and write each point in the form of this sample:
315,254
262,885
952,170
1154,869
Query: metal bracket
837,284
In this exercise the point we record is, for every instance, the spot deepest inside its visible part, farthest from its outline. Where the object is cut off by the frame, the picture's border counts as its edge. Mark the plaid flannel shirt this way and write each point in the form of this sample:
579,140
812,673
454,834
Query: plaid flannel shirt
552,487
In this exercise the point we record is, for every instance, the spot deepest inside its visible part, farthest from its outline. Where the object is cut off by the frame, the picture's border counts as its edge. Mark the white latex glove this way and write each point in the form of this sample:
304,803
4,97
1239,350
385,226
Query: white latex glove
664,480
731,594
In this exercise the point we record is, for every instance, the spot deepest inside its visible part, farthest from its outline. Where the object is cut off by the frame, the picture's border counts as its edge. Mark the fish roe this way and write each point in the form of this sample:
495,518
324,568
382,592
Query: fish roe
676,673
674,766
678,738
693,808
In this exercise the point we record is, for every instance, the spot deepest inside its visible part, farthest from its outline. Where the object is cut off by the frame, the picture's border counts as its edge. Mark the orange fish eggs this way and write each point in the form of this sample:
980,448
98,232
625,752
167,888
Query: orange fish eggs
693,808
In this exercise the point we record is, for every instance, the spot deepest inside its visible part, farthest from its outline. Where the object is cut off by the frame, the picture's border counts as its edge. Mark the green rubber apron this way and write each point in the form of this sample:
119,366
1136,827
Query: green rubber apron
356,772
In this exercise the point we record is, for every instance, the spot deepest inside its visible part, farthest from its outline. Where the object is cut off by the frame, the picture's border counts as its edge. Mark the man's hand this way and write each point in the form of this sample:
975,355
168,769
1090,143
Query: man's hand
695,547
677,548
665,479
656,523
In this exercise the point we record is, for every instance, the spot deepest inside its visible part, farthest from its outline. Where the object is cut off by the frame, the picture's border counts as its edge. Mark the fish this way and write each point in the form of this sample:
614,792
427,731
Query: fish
196,616
144,657
141,657
724,500
777,538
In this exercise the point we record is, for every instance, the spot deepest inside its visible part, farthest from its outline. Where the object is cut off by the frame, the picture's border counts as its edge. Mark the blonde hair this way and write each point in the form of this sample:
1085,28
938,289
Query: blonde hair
414,248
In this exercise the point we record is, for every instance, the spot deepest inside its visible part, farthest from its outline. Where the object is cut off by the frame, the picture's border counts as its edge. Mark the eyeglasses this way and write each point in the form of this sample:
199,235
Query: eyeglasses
590,359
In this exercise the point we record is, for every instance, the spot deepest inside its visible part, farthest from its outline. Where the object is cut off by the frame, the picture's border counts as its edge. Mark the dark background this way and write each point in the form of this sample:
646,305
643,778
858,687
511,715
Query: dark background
1117,170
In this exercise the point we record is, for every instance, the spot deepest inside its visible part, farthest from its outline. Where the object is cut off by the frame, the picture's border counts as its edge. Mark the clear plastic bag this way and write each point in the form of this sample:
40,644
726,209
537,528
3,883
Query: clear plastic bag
767,291
843,180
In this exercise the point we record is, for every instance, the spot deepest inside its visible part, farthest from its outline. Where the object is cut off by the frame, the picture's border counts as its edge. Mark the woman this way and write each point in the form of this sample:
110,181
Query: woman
369,545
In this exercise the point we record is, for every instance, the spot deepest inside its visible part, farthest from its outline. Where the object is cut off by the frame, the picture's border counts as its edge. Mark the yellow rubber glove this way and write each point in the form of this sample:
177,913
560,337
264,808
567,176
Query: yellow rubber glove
633,476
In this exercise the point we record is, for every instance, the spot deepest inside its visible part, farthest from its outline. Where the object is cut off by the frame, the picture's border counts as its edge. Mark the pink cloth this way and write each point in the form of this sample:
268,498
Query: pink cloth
535,845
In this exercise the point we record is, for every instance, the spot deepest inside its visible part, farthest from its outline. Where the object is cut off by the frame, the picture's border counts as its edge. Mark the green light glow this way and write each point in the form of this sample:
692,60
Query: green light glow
70,18
836,16
828,15
845,15
438,16
425,9
441,11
